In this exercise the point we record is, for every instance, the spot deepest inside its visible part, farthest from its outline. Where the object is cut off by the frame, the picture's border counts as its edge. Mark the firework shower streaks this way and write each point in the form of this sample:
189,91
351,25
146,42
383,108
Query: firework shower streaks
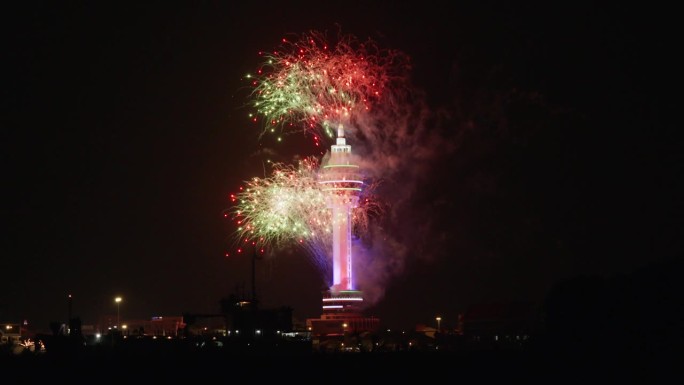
312,87
290,207
287,207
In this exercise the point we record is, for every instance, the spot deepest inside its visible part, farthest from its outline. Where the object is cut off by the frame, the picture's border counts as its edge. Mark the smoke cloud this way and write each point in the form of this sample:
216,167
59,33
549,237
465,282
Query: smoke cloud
397,145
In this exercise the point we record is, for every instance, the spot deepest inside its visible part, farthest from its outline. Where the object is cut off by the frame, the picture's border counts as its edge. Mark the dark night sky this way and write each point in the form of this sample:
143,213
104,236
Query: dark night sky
123,133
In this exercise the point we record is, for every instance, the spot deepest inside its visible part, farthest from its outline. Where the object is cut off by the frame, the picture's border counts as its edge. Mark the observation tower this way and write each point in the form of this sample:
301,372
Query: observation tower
343,183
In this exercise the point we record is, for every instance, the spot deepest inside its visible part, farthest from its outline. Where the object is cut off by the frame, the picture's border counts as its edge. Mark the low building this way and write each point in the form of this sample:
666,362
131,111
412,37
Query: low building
503,323
10,333
160,326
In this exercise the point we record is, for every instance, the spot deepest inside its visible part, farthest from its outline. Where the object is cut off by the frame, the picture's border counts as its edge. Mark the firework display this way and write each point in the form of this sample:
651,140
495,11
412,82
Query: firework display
309,86
313,88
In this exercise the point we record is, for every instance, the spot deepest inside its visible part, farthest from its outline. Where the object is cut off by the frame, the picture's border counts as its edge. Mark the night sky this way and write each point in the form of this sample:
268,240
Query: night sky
124,131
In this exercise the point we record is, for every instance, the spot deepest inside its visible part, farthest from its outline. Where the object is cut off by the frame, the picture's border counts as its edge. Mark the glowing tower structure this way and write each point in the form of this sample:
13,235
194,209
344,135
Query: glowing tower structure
343,183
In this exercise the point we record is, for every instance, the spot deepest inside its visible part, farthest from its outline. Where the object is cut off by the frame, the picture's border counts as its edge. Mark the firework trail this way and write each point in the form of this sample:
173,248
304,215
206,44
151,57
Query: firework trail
290,208
287,207
311,87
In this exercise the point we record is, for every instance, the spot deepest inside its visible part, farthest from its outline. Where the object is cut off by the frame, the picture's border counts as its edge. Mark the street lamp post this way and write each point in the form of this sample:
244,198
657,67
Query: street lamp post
439,320
118,305
69,302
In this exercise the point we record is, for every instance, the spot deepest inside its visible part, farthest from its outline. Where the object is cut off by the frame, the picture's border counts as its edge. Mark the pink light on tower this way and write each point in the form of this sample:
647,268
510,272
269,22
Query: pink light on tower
342,181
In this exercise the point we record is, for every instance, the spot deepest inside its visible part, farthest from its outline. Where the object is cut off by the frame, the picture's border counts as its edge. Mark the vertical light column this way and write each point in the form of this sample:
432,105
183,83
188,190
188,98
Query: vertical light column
342,253
336,245
348,281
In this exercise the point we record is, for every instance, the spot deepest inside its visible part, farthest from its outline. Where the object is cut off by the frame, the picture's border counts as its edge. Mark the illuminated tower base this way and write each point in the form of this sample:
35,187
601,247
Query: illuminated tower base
342,314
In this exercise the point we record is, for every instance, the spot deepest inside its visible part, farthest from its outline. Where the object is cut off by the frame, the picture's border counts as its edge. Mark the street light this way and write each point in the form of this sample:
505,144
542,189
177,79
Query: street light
118,305
439,320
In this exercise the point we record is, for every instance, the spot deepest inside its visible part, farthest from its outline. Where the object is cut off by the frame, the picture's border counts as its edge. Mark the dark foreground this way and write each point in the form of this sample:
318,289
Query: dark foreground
214,366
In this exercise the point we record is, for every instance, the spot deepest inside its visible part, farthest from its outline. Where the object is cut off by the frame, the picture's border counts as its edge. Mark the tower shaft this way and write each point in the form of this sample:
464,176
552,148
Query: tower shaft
342,252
